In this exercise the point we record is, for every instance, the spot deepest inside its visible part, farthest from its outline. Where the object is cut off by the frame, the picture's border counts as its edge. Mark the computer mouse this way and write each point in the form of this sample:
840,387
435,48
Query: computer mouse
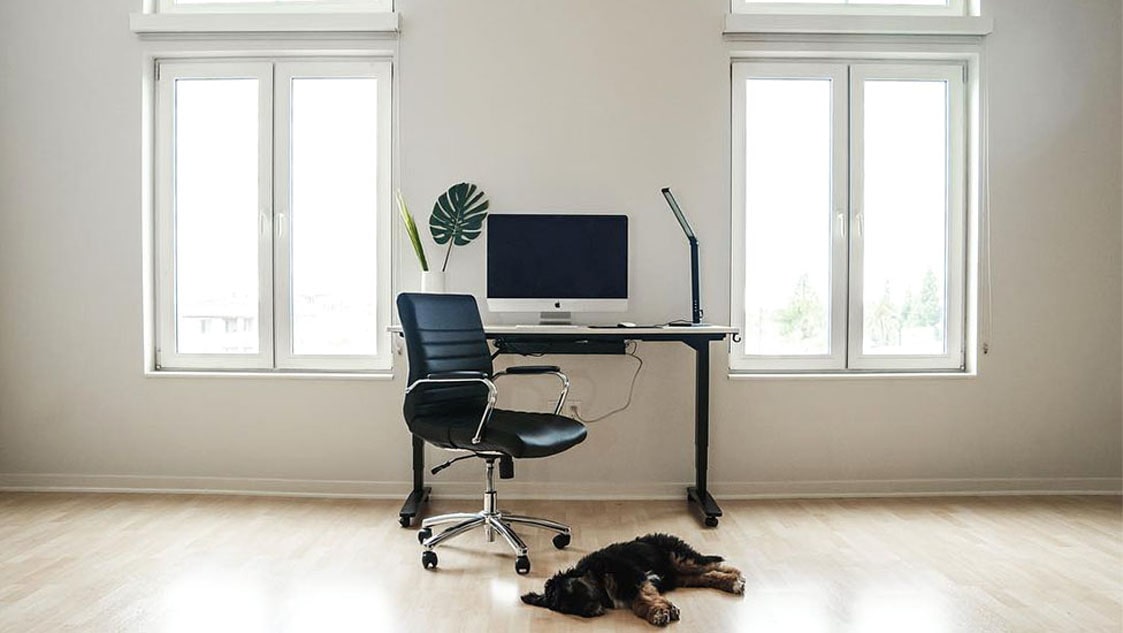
625,324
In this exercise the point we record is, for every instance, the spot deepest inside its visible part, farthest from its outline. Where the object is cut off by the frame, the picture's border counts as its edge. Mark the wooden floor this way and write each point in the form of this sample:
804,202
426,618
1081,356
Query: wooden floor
247,564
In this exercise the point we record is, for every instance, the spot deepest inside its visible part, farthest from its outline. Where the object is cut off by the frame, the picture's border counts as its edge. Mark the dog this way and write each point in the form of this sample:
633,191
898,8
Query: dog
634,575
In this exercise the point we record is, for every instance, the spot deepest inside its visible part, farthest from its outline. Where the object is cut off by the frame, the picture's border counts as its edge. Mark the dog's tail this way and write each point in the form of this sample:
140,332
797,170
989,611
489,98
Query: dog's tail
680,547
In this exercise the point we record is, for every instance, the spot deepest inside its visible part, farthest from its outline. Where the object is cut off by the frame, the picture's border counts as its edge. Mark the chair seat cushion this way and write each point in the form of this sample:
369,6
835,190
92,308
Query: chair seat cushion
520,434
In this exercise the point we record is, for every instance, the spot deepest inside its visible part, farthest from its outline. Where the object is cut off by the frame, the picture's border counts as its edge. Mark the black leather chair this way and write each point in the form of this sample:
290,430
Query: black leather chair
450,403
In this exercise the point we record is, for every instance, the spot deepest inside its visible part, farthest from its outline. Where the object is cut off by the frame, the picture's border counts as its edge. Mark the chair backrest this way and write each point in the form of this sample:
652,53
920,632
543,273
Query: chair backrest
443,333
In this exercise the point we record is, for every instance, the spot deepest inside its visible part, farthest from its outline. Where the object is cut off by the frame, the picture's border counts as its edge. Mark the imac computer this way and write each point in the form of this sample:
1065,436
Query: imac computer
557,264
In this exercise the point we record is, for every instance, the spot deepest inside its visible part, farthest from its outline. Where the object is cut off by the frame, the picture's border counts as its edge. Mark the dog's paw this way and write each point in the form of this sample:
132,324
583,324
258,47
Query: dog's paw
738,586
661,616
674,612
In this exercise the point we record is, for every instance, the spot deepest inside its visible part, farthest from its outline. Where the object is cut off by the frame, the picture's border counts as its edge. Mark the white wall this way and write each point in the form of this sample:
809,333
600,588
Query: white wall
564,105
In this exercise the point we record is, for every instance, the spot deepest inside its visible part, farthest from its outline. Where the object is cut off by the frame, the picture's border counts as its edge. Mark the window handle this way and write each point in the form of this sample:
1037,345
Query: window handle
840,220
280,224
263,222
860,224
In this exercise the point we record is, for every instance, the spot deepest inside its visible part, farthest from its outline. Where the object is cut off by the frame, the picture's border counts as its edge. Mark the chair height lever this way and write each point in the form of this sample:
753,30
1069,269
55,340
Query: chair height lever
439,468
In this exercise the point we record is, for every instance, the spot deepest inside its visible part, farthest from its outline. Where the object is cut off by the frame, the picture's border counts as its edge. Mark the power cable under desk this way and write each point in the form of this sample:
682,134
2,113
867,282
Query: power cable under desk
631,390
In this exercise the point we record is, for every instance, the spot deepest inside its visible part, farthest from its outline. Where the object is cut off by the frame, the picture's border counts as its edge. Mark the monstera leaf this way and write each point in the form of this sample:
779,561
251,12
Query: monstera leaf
458,217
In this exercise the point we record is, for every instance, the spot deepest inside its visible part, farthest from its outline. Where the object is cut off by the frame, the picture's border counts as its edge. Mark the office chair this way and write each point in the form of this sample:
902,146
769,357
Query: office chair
450,403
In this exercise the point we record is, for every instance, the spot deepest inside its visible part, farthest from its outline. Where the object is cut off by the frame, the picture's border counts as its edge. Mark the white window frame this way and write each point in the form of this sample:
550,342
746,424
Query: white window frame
836,73
274,331
286,71
306,6
846,257
952,8
955,220
166,353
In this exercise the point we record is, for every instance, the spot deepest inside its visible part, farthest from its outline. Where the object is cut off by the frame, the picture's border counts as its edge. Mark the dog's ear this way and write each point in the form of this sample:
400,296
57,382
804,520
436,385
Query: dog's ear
535,599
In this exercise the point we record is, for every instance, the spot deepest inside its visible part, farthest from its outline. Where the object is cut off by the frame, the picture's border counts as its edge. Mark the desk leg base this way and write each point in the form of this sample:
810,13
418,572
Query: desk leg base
710,508
412,506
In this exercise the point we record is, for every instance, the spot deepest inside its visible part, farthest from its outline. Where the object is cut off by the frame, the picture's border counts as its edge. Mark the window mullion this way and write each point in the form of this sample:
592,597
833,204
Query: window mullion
270,224
856,260
840,200
282,234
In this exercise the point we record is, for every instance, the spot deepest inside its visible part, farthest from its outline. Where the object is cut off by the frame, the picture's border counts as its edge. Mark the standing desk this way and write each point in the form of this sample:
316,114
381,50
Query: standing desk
697,338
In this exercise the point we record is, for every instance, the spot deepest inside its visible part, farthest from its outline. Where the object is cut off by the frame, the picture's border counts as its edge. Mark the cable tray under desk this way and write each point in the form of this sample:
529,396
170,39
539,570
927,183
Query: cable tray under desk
545,344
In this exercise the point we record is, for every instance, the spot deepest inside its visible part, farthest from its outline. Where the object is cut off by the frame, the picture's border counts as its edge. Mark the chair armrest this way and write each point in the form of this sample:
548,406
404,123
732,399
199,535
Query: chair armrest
539,370
464,376
455,376
446,375
533,369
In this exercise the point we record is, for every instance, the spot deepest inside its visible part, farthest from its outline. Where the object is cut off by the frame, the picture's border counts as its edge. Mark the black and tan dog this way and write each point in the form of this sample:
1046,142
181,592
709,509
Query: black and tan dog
634,575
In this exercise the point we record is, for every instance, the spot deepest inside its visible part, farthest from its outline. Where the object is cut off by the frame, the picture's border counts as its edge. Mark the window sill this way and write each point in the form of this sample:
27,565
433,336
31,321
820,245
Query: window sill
933,375
271,375
741,25
365,23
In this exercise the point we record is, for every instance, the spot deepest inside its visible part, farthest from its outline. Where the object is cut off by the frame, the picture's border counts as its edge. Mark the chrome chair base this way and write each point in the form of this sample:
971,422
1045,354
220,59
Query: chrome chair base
493,521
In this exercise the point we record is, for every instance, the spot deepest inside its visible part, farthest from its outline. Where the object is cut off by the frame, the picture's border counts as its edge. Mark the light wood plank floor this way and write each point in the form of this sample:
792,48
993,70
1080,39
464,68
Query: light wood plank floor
246,564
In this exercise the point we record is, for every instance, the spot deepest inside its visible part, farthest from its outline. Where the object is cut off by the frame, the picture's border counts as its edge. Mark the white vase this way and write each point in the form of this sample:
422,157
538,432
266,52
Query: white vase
432,281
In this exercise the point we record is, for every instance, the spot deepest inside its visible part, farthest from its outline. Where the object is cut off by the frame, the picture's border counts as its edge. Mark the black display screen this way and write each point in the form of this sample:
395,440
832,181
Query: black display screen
557,256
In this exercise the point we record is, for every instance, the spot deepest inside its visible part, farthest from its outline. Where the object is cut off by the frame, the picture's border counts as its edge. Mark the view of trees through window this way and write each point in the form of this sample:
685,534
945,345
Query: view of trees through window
913,318
848,212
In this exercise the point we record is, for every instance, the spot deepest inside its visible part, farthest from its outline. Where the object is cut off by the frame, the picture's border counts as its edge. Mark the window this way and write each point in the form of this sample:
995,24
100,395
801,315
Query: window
849,216
853,7
272,246
272,6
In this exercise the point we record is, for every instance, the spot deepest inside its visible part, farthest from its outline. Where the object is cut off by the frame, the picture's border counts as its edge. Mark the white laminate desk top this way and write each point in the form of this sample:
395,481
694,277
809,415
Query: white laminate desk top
579,330
586,329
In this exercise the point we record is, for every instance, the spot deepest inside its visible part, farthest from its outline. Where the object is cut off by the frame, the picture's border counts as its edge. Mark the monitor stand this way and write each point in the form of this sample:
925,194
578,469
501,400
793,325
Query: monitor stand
555,318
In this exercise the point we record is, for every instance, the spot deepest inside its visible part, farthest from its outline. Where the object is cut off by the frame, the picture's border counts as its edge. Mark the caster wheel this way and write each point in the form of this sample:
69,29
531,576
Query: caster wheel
423,534
429,559
711,521
522,565
561,541
404,521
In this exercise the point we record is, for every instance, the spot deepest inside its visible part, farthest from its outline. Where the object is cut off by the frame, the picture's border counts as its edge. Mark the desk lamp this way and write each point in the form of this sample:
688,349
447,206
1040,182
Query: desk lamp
696,306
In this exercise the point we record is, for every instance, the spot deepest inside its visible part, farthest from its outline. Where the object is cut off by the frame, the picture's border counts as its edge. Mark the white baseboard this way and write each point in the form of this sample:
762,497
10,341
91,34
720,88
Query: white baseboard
920,488
18,482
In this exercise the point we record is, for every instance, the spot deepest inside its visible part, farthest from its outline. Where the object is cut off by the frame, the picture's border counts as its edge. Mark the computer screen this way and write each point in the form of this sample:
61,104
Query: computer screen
557,262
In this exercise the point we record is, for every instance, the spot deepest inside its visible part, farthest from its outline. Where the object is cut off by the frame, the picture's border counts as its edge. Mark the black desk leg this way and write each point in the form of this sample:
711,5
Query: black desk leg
420,493
699,493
